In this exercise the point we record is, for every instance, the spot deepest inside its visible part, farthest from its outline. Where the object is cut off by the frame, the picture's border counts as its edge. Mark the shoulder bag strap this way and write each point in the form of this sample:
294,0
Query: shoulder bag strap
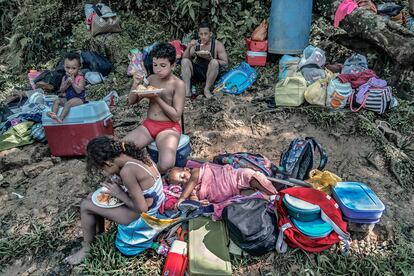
97,10
351,100
322,153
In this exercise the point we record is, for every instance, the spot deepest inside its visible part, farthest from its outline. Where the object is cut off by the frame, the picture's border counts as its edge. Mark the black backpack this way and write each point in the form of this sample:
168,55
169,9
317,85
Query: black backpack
96,62
252,226
298,160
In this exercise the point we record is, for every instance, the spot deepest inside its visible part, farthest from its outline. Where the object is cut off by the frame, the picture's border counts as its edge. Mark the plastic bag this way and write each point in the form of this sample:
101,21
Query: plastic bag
323,181
135,63
260,33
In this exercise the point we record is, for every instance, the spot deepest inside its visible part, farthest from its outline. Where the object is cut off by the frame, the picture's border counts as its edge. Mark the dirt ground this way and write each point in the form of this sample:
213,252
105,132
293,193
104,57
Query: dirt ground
52,187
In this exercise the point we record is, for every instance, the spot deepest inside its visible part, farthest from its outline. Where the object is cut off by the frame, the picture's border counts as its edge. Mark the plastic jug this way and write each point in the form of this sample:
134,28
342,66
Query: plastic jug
176,262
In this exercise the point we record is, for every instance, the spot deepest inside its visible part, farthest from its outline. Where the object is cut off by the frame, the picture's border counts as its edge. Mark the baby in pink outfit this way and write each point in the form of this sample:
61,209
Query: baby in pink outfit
214,183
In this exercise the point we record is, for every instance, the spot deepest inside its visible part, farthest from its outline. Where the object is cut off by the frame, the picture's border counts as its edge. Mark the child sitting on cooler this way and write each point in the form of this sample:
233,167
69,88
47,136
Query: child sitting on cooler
72,88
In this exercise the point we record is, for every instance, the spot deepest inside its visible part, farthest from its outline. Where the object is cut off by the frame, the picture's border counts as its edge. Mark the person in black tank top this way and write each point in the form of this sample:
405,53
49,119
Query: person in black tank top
203,60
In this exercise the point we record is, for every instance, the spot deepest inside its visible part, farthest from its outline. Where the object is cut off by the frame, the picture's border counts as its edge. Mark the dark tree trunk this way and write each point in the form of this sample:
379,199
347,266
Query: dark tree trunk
393,39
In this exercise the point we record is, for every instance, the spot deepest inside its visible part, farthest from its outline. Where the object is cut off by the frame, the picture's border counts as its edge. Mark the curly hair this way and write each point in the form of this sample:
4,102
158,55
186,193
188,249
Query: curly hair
167,176
164,50
105,148
73,56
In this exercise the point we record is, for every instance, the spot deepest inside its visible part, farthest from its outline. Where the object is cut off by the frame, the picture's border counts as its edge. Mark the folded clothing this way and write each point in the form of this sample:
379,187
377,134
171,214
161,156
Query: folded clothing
357,79
390,9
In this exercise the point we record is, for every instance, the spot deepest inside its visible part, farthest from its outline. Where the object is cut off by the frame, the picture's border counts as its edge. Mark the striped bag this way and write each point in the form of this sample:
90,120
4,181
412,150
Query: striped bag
376,99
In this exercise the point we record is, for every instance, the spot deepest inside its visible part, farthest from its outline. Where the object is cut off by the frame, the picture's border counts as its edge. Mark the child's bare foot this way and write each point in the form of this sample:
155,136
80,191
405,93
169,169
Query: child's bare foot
54,117
78,257
207,93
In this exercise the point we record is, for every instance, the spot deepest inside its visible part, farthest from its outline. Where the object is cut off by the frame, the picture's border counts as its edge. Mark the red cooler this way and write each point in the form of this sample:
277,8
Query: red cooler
256,58
176,262
256,52
82,124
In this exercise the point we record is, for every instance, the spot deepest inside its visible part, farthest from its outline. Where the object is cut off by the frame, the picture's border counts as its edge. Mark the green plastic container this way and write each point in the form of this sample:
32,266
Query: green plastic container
208,251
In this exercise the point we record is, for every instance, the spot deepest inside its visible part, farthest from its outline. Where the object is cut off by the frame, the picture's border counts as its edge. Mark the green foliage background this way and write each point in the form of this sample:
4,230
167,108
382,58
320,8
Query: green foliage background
33,32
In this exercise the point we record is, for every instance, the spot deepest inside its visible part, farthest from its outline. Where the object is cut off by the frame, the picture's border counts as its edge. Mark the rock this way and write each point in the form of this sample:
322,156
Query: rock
34,170
14,159
32,269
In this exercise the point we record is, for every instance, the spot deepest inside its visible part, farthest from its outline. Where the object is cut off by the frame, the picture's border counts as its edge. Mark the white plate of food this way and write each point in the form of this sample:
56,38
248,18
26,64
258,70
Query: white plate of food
203,53
101,199
147,90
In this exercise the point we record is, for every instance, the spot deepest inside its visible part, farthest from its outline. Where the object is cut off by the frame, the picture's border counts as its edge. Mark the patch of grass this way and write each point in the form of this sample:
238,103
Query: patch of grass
323,117
398,260
106,260
37,240
400,165
402,117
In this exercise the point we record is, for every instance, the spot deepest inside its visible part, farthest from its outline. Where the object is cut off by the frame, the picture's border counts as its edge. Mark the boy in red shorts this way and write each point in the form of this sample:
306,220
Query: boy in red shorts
164,113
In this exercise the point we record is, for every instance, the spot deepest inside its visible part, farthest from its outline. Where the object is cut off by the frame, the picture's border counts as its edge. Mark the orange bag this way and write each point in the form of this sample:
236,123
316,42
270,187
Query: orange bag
260,33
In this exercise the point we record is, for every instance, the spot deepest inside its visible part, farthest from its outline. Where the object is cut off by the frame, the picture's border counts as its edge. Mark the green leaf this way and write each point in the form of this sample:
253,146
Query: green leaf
192,15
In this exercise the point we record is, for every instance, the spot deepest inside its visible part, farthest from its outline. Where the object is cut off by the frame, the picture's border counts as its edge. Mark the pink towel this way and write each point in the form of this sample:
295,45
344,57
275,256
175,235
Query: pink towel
218,183
345,8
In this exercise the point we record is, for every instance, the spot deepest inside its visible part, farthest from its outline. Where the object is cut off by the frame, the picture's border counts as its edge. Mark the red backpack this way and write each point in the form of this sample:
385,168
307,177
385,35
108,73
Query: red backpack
330,212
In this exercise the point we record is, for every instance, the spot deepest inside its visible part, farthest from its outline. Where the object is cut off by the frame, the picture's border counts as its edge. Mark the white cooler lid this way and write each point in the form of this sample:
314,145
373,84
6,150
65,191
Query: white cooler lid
90,112
256,54
184,140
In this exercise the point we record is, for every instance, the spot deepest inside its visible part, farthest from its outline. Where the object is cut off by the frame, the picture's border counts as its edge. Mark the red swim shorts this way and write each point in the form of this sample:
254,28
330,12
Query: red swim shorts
155,127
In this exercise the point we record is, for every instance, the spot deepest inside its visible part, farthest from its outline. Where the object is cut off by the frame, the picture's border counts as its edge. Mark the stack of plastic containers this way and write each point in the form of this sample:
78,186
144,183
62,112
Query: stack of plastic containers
306,217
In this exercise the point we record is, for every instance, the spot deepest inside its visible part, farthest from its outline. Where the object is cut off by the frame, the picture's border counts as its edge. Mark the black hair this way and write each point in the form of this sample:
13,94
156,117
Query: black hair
73,56
204,24
105,148
167,176
164,50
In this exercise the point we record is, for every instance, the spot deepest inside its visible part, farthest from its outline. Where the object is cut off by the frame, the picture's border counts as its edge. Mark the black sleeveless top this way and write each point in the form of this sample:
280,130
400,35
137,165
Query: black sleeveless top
212,51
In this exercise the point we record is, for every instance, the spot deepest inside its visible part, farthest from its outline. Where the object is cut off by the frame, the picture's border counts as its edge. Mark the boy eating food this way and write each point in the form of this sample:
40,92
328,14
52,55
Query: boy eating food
162,124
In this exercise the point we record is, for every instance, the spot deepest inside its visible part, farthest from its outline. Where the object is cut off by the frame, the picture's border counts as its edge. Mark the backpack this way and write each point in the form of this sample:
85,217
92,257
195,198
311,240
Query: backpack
312,55
298,160
96,63
376,99
330,212
237,80
316,92
104,21
354,64
288,66
252,226
337,93
252,161
290,91
52,77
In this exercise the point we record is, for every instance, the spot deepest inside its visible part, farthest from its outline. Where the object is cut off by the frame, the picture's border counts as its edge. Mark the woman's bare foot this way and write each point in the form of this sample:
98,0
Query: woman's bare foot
78,257
54,117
